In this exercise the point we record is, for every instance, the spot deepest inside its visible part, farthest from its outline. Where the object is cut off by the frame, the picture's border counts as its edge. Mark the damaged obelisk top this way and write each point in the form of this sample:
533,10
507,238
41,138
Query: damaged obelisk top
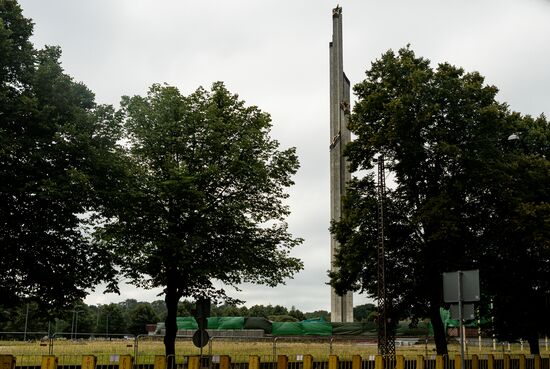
341,307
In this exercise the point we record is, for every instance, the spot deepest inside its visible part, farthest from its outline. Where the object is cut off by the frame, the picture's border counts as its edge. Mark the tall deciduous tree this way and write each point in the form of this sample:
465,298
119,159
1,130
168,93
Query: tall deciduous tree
56,151
517,238
207,198
444,139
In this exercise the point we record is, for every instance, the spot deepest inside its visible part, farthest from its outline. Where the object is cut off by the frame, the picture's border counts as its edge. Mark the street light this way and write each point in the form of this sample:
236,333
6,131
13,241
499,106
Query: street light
74,327
26,323
76,324
107,326
513,137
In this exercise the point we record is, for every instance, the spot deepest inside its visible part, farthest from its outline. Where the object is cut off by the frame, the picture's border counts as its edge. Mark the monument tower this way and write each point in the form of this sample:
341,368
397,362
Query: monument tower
341,307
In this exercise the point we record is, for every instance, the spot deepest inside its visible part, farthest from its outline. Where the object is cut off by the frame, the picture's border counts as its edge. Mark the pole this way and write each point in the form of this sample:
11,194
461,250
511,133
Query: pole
76,325
97,320
26,323
72,325
386,333
460,318
478,330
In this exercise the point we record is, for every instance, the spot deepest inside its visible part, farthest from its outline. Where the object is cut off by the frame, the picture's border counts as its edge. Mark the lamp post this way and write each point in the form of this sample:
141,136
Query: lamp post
513,137
107,327
97,318
26,323
74,326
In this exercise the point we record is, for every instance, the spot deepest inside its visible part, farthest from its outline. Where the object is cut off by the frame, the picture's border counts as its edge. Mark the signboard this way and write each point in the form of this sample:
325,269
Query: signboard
200,338
460,287
468,312
467,279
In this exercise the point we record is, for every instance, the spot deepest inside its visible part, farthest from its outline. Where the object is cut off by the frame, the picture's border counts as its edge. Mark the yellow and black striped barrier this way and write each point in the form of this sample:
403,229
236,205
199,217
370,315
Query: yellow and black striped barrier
488,361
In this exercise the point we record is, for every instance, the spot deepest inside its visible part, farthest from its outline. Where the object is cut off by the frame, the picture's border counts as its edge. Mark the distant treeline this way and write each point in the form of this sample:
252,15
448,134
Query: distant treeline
131,316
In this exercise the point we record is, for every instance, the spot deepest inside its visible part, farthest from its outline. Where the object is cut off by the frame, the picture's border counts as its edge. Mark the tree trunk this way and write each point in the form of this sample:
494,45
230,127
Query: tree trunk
171,299
533,340
440,336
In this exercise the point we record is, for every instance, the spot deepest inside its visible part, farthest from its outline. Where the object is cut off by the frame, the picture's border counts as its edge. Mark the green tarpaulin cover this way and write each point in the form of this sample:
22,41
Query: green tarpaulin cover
258,323
213,322
231,322
317,328
186,322
352,328
287,329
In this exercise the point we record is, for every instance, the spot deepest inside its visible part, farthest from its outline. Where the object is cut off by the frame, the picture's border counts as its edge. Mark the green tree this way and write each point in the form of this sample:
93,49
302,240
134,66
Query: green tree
362,313
112,320
295,313
84,320
229,310
56,151
282,318
128,305
258,311
517,266
13,320
207,197
159,307
318,314
141,315
443,137
185,308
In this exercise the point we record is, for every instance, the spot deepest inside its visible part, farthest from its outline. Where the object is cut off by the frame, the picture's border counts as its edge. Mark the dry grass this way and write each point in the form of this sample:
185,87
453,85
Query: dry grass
239,350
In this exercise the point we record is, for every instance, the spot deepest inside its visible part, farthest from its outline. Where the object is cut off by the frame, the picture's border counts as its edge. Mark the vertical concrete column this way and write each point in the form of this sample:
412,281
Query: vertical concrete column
340,136
160,362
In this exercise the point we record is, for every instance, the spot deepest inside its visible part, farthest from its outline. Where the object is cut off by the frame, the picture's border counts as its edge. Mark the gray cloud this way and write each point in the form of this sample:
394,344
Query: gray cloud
274,53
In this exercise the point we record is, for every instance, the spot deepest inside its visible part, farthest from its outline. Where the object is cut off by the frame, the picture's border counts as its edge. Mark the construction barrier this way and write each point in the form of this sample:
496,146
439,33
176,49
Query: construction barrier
489,361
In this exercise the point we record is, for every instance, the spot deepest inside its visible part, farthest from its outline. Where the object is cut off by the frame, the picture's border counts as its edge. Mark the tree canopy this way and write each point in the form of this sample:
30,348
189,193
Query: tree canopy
57,147
128,317
204,203
464,196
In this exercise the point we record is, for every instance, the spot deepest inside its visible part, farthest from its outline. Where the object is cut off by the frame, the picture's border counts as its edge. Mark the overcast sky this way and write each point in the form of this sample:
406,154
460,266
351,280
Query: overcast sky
274,54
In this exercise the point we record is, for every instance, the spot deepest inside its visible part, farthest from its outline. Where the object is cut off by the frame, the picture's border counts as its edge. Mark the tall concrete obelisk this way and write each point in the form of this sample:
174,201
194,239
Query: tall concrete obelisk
341,306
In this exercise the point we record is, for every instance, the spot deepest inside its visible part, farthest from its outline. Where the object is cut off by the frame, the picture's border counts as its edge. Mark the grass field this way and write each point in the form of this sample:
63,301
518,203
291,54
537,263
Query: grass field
318,347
